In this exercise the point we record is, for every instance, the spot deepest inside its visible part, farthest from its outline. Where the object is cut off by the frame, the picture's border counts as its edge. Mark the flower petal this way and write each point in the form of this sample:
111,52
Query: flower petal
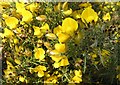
40,73
39,54
60,47
56,58
64,61
69,25
89,15
11,22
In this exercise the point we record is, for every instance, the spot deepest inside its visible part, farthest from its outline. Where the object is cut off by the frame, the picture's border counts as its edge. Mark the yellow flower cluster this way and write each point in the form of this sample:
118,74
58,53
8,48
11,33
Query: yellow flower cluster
23,14
37,46
87,15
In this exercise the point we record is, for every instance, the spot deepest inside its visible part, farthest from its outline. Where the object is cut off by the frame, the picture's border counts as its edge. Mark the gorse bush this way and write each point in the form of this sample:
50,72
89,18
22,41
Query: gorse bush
60,42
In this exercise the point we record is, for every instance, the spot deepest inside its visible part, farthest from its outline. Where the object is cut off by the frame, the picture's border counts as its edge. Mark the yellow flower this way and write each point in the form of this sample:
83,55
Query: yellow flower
39,53
78,73
62,37
106,17
8,33
40,73
21,78
37,31
44,28
60,47
77,78
64,61
69,26
56,58
89,15
15,40
27,16
67,12
57,30
60,61
11,22
56,65
20,7
40,69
